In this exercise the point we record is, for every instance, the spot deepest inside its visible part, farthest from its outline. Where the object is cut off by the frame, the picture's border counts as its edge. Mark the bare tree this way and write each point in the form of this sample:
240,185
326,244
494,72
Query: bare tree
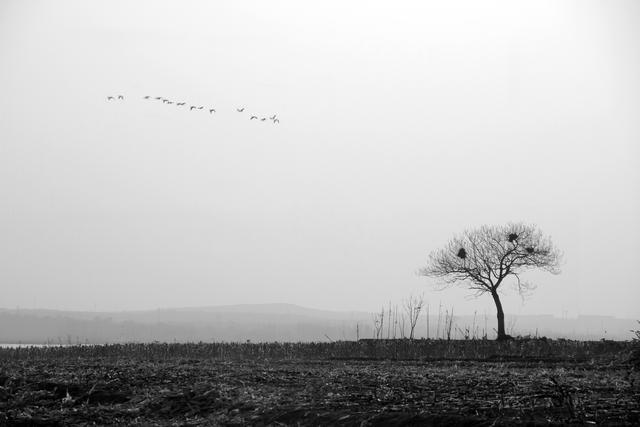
378,324
413,306
427,321
439,318
483,258
395,321
448,324
389,315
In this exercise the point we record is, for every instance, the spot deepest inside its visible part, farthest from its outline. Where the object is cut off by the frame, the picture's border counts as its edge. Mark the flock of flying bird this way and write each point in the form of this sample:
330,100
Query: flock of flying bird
166,101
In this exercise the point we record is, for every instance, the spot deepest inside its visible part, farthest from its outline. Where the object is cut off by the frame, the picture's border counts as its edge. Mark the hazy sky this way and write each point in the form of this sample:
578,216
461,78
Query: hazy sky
401,124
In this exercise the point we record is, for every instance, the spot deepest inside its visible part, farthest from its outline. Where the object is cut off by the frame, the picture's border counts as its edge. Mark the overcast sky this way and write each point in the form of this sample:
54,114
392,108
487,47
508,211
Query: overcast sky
401,124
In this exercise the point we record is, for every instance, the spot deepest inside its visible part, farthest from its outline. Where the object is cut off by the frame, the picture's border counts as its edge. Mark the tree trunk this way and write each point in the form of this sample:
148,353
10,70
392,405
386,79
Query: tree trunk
502,335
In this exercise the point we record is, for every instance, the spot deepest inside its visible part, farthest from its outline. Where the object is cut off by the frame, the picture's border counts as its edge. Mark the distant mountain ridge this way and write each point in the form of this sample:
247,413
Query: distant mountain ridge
270,308
273,322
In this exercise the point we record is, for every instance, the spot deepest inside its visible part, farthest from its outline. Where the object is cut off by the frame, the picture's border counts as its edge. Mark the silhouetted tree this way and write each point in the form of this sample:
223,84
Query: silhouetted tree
482,259
413,306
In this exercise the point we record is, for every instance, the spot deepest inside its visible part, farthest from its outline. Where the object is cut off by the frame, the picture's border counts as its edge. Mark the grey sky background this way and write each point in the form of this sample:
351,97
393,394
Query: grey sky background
401,124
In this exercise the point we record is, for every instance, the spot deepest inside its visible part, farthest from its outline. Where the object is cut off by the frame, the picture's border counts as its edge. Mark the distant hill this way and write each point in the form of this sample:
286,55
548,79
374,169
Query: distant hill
272,322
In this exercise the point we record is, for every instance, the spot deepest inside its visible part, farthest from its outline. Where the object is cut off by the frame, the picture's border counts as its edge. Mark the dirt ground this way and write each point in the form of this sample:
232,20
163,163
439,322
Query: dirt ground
96,391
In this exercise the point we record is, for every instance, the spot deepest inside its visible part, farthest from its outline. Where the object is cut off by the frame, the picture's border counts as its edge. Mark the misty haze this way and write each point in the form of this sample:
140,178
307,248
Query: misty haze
329,213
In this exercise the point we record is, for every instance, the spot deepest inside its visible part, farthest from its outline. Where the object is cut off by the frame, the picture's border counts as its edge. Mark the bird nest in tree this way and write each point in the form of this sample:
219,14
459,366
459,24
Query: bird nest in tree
530,250
512,237
462,253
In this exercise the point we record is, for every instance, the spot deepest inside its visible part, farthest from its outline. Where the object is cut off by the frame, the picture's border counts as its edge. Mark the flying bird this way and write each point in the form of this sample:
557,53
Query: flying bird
181,103
120,97
263,119
253,117
109,98
276,121
193,107
273,117
200,107
158,97
240,110
147,97
212,110
169,102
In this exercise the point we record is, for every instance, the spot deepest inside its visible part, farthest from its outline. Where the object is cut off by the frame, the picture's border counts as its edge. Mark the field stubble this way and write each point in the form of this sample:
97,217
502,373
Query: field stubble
382,383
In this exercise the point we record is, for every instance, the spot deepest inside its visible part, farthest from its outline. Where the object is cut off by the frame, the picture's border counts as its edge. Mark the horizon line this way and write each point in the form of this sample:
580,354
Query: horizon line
207,307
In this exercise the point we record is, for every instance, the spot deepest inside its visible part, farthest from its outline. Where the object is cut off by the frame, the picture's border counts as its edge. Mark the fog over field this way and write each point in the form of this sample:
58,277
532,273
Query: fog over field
388,128
302,213
280,322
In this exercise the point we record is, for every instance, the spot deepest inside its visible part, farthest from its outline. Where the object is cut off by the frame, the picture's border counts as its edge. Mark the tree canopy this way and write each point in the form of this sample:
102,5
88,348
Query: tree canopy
483,258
